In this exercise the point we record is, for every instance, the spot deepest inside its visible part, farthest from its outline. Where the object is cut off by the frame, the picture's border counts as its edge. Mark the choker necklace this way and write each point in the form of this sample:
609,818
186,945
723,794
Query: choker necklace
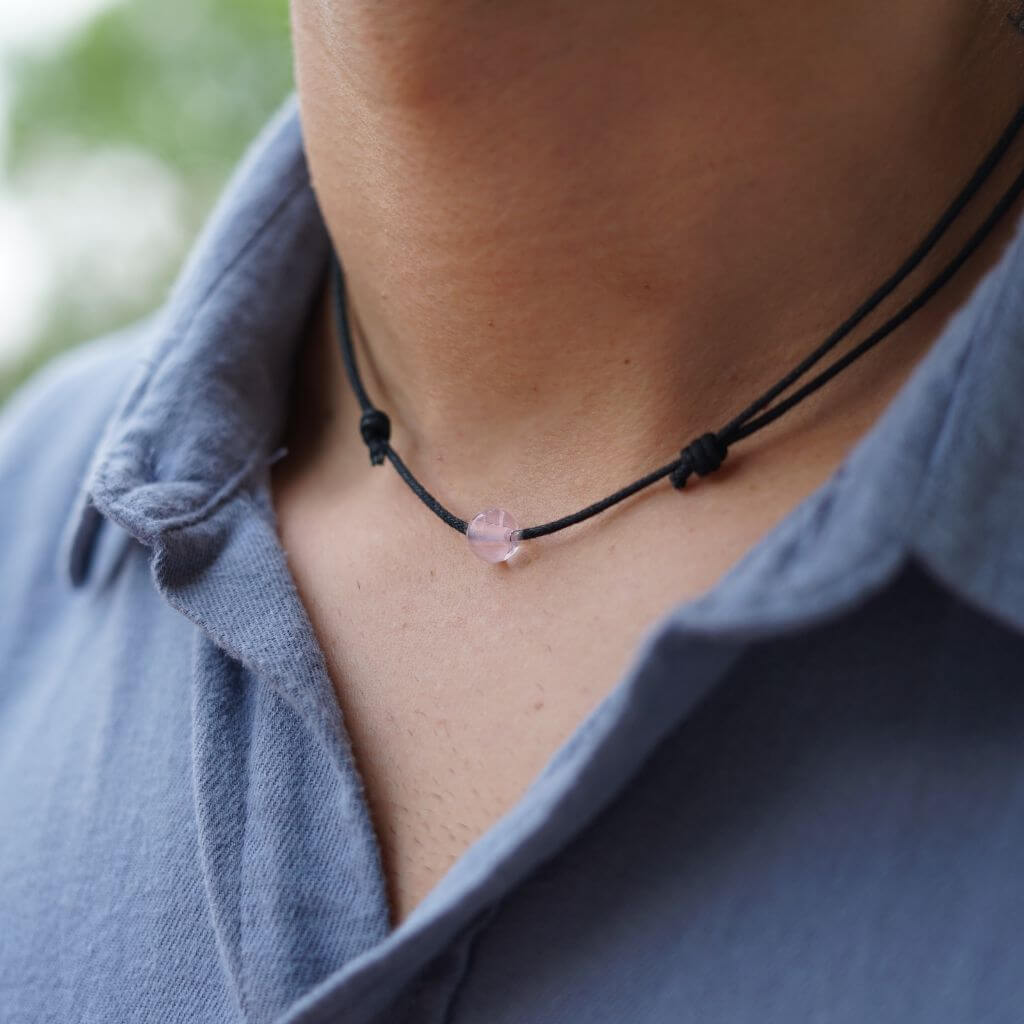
494,535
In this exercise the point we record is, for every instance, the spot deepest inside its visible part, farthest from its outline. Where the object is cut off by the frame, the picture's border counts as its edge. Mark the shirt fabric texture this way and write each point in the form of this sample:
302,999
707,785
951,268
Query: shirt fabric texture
802,802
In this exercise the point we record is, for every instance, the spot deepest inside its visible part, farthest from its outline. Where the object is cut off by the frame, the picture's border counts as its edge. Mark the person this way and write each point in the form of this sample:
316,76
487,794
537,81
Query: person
274,746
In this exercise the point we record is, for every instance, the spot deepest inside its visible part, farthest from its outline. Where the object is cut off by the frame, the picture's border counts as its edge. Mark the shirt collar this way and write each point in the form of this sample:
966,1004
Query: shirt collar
209,392
939,477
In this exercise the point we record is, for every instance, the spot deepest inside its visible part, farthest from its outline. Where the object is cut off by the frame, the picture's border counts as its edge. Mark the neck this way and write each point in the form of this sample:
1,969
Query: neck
579,234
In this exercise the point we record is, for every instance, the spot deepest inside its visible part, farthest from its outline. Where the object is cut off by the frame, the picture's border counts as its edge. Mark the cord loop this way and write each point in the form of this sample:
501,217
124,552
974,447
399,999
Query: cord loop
375,427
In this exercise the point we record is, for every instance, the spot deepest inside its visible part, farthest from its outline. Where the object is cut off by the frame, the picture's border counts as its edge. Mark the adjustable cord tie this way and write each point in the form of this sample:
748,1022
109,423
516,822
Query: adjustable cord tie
375,427
702,456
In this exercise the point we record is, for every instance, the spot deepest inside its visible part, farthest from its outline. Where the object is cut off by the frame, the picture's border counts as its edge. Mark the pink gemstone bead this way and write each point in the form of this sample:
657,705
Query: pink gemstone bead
490,535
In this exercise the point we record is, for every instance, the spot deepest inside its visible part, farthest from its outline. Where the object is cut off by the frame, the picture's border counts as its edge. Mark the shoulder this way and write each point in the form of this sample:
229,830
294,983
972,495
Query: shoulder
64,405
49,431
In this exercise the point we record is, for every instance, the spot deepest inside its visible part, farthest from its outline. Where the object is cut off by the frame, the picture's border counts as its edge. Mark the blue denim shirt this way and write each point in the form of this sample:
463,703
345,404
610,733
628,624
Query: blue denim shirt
803,800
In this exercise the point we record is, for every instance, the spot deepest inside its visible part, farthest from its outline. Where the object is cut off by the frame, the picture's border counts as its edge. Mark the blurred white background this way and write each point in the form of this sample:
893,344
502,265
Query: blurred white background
119,120
28,250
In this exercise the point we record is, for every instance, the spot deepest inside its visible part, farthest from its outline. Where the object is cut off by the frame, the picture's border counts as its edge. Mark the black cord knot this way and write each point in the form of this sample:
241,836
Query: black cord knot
702,456
375,427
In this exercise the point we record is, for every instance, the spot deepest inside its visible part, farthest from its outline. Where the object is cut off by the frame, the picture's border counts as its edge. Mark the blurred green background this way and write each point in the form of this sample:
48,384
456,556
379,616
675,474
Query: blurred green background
120,123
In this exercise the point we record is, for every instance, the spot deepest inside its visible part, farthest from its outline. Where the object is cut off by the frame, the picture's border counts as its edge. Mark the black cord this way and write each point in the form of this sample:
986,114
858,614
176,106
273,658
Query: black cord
705,454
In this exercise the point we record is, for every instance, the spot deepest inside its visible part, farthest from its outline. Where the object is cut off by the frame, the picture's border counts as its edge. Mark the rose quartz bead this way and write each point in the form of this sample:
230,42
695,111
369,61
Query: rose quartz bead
490,535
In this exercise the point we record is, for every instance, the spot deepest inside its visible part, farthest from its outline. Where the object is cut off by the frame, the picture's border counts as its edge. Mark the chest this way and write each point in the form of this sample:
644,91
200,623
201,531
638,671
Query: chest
453,704
457,681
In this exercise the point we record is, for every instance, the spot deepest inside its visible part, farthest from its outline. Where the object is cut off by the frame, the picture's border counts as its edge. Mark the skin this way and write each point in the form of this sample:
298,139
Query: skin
577,235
